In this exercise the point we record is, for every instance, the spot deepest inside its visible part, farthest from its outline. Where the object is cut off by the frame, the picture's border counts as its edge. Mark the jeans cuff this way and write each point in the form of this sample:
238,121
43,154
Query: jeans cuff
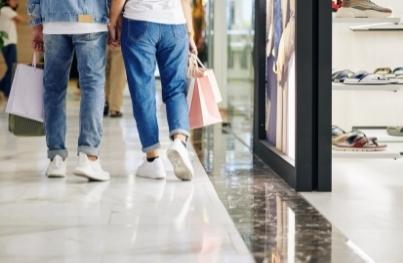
88,150
62,153
151,148
179,131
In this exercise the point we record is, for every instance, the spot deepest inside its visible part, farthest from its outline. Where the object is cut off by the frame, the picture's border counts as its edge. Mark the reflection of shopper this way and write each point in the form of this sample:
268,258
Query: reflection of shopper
156,31
115,83
59,36
8,20
274,31
286,51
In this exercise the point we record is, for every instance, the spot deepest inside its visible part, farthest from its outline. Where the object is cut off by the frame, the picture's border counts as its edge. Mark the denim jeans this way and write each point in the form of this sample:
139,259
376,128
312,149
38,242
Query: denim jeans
143,45
10,57
90,50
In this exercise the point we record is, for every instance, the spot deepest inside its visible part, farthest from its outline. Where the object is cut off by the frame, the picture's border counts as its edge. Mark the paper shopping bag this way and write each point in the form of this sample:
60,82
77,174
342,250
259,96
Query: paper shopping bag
203,109
197,69
25,104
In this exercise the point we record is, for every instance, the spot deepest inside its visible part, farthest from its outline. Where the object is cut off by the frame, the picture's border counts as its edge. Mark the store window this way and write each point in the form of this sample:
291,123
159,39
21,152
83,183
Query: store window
280,75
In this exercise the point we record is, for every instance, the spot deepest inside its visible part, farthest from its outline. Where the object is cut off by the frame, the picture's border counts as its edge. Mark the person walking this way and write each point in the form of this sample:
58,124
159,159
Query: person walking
157,32
61,28
9,18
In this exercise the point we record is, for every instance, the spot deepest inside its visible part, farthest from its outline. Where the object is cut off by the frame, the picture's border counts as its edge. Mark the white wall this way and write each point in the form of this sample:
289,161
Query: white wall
367,51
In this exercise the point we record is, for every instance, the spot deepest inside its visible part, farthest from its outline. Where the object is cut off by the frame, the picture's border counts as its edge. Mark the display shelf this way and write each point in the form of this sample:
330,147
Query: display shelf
387,154
378,27
395,20
387,87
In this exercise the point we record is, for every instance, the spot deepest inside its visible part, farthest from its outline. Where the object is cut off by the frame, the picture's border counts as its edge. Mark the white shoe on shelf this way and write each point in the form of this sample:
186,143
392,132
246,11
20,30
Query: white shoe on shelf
91,170
179,157
152,170
57,168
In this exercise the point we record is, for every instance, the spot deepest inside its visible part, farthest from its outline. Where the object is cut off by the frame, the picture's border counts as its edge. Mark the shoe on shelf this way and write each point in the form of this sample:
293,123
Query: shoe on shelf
179,157
116,114
362,9
92,170
152,170
57,168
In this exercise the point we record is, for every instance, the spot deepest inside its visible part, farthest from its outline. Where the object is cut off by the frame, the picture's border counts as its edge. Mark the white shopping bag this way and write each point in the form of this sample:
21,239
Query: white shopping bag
26,96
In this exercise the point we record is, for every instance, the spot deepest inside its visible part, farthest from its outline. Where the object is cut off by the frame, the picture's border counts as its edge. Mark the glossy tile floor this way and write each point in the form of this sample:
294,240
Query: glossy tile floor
125,220
366,204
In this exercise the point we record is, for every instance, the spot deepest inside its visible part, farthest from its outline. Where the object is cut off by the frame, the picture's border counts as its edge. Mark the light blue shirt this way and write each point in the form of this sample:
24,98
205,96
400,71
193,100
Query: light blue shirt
45,11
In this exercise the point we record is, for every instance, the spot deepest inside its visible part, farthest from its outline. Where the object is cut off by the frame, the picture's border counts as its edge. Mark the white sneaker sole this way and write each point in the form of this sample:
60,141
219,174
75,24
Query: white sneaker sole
91,177
181,170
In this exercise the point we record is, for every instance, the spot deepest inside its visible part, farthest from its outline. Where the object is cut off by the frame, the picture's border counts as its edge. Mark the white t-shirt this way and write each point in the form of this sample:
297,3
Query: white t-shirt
156,11
75,28
8,25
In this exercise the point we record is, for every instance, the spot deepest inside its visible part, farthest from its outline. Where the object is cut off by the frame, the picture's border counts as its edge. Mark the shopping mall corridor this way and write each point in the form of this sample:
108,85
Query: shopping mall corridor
240,212
125,220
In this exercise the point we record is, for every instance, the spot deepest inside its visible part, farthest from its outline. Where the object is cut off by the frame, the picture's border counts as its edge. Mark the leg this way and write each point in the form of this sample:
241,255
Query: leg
139,48
10,57
107,82
91,60
117,79
58,58
172,57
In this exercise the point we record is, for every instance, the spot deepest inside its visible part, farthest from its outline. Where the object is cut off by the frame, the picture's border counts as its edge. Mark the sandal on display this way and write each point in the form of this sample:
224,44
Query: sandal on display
340,75
398,72
354,141
362,9
383,71
396,131
365,78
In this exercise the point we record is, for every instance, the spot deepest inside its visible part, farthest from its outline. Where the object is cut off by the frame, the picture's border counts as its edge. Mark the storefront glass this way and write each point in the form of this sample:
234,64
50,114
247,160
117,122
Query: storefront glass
280,76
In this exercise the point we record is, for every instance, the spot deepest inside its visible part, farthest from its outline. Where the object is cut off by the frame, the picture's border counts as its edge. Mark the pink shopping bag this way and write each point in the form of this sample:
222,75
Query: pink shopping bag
198,70
203,109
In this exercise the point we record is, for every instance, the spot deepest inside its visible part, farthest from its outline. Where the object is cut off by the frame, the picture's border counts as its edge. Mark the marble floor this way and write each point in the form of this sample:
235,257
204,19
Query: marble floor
125,220
277,224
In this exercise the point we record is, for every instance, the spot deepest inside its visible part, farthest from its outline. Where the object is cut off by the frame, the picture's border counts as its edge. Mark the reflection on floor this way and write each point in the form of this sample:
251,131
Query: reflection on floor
126,220
277,224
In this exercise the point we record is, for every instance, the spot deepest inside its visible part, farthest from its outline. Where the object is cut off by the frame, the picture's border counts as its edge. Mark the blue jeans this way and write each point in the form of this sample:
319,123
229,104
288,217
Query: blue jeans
90,50
10,57
143,45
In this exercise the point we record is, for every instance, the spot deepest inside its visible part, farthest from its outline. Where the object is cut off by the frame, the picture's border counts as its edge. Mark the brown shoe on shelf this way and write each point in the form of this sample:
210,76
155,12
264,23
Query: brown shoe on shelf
362,9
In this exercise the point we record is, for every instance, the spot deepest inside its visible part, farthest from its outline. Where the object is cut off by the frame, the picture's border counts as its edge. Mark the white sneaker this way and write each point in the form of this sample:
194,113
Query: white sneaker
152,170
178,155
56,168
91,170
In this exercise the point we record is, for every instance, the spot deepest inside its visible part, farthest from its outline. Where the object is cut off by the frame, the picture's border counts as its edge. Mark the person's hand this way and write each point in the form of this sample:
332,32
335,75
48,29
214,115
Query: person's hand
37,38
192,46
114,33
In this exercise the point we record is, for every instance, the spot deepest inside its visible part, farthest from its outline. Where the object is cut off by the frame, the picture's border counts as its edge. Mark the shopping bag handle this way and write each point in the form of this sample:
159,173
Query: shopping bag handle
197,61
34,59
